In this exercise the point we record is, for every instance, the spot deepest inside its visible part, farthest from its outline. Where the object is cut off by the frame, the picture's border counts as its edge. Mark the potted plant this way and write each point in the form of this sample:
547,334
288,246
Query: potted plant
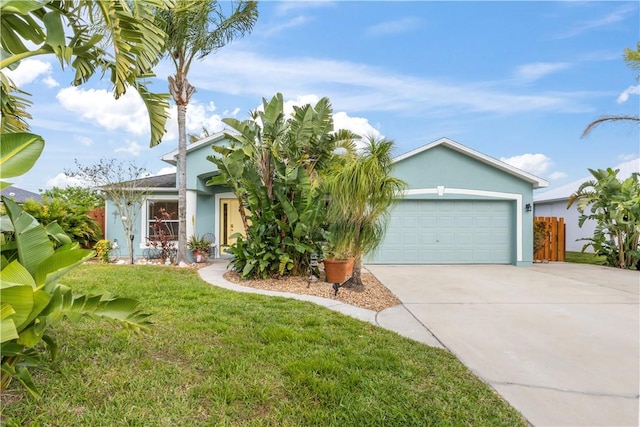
199,246
338,260
361,192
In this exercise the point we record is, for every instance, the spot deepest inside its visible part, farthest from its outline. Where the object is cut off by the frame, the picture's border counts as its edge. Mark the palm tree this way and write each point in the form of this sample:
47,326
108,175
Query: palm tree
195,29
361,193
111,37
632,58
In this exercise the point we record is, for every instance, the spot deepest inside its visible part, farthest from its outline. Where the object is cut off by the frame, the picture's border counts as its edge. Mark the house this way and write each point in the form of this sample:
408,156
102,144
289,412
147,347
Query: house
553,203
461,207
208,208
19,195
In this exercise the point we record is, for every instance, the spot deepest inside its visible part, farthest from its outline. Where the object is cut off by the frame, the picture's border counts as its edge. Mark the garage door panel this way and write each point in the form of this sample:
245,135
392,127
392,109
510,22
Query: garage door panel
447,232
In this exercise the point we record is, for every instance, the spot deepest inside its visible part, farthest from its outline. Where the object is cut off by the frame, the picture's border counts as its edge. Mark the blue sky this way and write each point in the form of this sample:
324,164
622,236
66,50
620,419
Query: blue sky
518,81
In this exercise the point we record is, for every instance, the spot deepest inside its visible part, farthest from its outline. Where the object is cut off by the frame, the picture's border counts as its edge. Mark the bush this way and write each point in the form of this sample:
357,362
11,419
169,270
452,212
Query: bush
74,220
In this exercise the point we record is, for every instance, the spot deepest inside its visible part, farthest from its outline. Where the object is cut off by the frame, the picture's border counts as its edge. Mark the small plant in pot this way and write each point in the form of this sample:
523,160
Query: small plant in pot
338,261
200,248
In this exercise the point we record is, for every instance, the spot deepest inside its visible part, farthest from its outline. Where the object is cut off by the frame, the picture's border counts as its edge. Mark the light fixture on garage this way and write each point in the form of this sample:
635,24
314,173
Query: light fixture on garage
527,207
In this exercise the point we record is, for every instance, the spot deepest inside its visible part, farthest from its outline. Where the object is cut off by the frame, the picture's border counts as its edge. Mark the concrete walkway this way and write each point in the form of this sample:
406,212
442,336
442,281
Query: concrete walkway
560,342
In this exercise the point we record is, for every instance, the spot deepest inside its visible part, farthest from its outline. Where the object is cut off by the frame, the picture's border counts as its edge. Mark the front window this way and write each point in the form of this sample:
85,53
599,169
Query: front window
162,220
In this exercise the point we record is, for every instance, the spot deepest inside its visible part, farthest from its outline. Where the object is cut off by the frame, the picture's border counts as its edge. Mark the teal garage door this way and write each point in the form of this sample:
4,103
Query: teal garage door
448,232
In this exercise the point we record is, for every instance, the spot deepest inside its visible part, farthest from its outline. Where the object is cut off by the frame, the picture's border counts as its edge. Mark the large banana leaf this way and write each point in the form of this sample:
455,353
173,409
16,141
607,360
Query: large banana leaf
58,264
19,153
31,237
8,329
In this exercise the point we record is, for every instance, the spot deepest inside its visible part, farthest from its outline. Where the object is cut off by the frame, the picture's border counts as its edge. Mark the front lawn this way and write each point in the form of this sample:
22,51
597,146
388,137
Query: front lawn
217,357
584,258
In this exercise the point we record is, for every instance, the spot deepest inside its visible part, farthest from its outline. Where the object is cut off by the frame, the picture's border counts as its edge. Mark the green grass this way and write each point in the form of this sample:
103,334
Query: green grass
584,258
217,357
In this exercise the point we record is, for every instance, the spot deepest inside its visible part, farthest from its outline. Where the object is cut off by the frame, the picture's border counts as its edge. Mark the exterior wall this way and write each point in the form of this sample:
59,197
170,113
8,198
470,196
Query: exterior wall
114,230
558,208
199,168
441,172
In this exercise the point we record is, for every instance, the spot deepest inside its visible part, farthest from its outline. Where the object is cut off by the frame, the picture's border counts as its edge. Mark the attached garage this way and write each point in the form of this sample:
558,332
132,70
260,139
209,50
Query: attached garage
462,207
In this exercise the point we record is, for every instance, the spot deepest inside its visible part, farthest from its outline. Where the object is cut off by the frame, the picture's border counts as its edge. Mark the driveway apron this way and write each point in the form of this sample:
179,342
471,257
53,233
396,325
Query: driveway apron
558,341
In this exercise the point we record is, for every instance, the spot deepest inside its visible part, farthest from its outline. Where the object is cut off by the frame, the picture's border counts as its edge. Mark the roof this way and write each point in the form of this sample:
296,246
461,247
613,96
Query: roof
19,195
565,191
172,157
446,142
158,181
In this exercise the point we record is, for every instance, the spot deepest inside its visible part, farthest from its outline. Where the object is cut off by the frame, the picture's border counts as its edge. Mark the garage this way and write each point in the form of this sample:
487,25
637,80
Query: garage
448,232
461,207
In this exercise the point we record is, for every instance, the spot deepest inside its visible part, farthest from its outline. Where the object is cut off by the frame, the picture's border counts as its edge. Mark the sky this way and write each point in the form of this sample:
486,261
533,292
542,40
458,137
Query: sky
517,81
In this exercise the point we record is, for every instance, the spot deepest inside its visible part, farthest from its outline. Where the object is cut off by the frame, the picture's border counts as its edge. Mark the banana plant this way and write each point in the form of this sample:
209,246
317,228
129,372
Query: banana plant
32,299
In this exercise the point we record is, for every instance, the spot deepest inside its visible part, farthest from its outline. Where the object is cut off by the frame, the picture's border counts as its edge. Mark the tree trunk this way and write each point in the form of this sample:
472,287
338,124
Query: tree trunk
181,91
355,281
182,184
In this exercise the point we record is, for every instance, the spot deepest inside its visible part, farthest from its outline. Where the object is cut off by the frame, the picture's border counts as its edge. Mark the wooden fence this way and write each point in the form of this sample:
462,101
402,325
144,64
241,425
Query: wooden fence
98,215
553,248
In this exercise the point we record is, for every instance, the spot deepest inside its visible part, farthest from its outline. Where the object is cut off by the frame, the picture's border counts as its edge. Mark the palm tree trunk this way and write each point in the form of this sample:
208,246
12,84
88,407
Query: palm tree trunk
181,91
182,184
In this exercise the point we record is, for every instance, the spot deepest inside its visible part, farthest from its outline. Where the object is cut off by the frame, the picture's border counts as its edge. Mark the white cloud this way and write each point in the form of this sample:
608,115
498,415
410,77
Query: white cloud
535,164
557,175
132,148
62,180
28,71
50,82
620,14
394,27
537,70
359,87
285,7
98,105
627,157
84,140
292,23
359,125
197,117
631,90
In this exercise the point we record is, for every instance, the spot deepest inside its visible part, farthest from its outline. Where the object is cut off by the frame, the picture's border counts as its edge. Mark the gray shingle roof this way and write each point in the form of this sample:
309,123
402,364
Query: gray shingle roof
19,195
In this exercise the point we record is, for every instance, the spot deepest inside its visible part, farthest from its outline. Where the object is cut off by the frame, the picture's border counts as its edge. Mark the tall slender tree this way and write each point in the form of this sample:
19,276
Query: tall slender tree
361,194
195,29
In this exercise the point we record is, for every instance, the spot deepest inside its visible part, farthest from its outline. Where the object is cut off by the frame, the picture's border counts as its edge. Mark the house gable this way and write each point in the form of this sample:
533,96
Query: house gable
445,163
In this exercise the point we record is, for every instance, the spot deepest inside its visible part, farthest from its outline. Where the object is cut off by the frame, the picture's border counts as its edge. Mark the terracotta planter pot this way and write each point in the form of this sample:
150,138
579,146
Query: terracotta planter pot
199,256
338,270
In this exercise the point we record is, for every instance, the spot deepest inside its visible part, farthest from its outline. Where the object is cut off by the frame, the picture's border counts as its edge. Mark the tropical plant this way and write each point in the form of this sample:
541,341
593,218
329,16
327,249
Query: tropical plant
74,220
114,37
199,244
632,58
162,237
274,166
121,183
84,198
615,206
195,29
102,248
361,193
32,300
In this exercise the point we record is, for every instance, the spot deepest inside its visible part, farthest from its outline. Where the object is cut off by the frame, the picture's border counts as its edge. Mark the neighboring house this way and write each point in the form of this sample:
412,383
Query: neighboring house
553,203
19,195
461,207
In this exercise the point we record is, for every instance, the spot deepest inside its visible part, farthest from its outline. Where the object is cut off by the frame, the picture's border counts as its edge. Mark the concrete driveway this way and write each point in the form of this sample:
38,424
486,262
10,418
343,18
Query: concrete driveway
558,341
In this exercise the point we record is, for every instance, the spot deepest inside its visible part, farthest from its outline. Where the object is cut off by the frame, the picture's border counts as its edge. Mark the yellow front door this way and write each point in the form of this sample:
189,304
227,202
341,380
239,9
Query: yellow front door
230,223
